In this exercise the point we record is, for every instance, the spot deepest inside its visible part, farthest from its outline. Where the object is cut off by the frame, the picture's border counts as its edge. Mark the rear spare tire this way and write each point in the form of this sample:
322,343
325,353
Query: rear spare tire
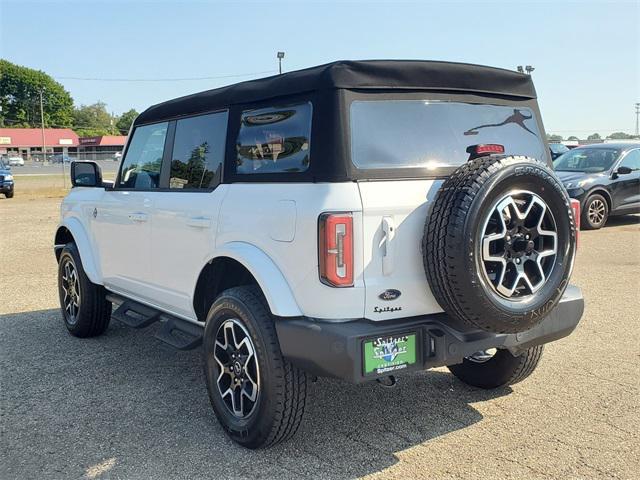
499,243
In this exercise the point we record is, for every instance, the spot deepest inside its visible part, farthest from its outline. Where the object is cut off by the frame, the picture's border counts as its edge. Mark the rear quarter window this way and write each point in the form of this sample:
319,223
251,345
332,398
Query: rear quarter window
274,140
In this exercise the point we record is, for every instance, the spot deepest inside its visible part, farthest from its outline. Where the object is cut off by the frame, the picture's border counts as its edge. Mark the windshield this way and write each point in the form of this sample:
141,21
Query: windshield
434,134
590,160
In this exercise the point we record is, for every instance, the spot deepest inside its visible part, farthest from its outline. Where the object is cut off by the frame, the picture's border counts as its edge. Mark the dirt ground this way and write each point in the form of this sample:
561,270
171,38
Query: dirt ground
126,406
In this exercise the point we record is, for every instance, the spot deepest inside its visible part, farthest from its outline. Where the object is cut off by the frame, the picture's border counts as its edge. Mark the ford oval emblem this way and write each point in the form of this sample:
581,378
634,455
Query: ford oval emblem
390,294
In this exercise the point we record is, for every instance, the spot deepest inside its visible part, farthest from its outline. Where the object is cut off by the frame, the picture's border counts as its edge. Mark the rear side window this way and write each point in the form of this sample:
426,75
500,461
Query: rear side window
198,151
141,165
274,140
433,134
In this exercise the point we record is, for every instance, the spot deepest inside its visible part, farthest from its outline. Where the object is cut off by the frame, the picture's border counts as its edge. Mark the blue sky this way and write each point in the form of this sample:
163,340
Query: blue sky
586,54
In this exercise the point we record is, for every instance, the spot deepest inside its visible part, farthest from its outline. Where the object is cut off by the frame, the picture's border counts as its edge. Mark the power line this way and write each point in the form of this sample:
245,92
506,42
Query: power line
183,79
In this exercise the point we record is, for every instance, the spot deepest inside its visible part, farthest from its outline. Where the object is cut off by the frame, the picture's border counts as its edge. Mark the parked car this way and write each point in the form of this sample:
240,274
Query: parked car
557,149
6,180
59,158
605,178
15,161
328,245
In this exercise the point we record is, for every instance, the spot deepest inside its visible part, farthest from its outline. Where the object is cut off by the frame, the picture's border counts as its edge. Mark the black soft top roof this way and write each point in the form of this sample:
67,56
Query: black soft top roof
369,74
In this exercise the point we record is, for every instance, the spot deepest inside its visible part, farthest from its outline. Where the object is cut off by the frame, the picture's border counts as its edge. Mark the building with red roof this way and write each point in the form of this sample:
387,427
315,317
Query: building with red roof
28,141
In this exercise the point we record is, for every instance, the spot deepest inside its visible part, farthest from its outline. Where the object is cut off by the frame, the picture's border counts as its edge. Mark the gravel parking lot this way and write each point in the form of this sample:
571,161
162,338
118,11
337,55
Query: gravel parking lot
126,406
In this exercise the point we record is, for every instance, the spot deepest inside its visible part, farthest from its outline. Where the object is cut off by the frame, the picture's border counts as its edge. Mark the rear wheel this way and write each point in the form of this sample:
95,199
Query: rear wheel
595,212
258,397
496,367
85,309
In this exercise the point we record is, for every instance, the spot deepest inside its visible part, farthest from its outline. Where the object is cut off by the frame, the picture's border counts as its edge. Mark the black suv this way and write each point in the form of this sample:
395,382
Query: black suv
605,178
6,180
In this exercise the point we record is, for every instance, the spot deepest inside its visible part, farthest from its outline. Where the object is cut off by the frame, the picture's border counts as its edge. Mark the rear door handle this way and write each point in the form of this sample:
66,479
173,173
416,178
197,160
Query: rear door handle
138,217
199,222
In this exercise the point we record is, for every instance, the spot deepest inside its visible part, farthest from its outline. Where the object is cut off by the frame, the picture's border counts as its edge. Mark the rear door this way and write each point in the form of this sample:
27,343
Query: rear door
185,218
419,140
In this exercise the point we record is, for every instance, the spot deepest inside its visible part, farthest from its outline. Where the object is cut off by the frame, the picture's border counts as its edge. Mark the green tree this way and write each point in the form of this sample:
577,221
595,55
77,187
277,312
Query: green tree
573,138
594,136
20,89
620,136
554,138
93,120
125,120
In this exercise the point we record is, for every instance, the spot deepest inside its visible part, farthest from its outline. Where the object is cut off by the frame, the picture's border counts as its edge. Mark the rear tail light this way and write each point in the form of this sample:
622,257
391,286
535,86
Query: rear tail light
335,249
483,149
575,207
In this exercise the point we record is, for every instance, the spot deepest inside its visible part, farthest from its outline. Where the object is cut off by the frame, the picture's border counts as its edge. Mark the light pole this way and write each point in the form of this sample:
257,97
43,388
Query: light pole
42,125
528,69
637,116
280,57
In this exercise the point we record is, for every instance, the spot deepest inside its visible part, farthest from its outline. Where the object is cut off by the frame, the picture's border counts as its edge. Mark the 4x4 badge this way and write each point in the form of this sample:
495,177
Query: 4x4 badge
390,294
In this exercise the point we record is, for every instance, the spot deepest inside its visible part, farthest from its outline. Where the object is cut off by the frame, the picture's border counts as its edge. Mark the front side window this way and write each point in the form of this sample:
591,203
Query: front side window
141,165
432,134
589,160
274,140
631,160
198,151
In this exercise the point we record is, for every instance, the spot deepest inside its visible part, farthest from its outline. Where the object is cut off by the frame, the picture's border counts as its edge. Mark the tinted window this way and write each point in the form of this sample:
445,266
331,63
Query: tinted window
273,140
558,148
141,165
632,160
432,134
198,151
591,160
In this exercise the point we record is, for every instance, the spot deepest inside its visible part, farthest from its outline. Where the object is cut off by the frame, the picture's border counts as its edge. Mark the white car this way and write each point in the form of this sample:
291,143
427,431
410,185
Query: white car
355,220
15,161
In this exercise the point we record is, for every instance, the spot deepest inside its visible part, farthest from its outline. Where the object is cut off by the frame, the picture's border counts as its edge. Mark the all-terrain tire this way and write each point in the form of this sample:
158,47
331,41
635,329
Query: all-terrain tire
452,243
282,392
91,314
595,212
9,194
501,370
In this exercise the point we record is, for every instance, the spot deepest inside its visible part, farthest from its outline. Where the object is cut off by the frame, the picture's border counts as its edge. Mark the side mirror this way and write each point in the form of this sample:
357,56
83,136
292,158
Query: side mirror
86,174
622,170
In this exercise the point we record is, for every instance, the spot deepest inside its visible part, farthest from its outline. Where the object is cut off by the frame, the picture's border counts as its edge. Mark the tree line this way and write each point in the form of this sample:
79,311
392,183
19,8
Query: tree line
593,137
20,90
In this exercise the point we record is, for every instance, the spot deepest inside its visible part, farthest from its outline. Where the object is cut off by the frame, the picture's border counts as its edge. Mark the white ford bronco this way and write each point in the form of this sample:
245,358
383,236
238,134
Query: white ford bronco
355,220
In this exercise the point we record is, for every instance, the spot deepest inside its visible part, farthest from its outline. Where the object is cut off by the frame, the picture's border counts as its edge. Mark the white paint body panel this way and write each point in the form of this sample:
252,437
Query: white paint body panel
152,246
394,216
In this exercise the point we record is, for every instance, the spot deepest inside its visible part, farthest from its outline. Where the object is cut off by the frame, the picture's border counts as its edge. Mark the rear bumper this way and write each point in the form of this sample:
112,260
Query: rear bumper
335,349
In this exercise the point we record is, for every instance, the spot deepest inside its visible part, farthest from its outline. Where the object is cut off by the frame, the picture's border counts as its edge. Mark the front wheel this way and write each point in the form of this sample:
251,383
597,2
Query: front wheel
595,212
258,396
9,194
85,309
497,367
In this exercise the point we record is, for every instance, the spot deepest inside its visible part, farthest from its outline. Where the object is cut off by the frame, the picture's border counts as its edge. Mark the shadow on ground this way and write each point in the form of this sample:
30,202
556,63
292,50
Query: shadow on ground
622,220
125,406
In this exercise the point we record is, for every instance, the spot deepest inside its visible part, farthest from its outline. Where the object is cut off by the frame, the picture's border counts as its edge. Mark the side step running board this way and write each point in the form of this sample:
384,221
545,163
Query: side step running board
174,331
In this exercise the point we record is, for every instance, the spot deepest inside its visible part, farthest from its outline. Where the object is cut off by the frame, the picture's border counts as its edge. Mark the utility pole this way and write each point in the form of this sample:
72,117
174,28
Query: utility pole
637,116
42,124
280,57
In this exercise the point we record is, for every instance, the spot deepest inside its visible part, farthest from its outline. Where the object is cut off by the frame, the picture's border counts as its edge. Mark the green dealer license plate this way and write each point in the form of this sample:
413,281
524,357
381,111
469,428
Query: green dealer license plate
389,354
